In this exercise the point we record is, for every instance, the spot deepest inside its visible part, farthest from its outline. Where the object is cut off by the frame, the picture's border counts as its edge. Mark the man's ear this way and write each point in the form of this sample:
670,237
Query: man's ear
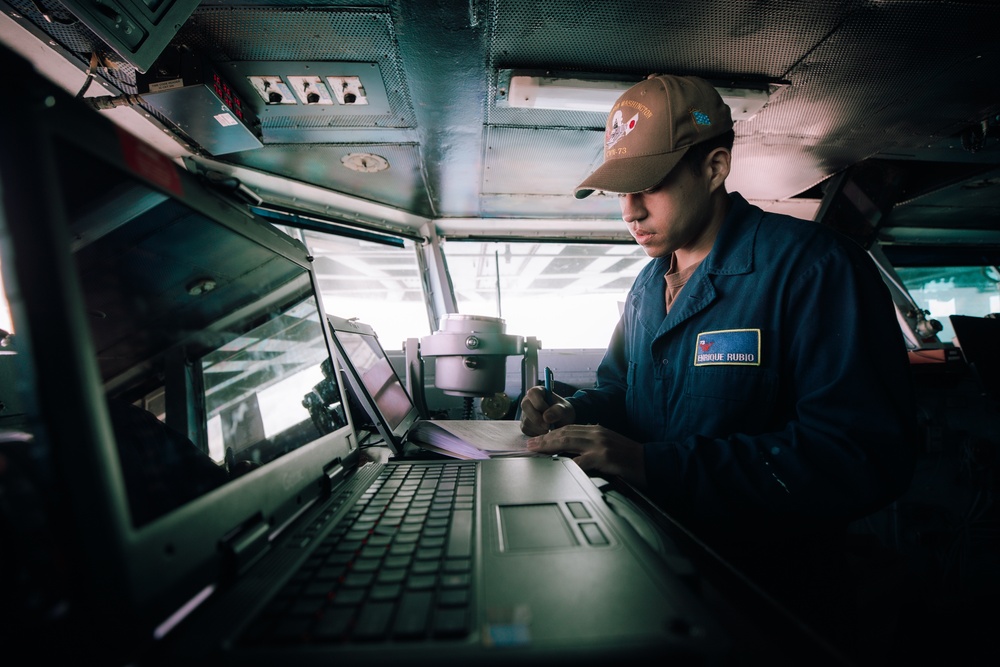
718,163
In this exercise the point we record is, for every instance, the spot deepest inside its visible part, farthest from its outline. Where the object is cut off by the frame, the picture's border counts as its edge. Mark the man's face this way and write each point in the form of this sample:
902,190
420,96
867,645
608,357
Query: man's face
672,215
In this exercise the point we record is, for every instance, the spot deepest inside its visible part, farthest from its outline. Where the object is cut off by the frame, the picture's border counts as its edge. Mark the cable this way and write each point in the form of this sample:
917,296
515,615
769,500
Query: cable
110,102
91,69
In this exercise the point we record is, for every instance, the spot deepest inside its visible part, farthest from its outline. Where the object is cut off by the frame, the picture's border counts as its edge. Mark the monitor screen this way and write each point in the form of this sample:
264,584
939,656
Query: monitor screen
372,381
378,376
210,346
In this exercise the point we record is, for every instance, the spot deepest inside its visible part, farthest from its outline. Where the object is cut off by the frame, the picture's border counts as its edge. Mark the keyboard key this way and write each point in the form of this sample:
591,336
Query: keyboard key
455,597
365,565
454,565
359,579
455,580
414,611
402,548
429,553
373,621
421,582
431,542
395,562
349,597
396,576
460,537
383,592
349,546
379,540
425,567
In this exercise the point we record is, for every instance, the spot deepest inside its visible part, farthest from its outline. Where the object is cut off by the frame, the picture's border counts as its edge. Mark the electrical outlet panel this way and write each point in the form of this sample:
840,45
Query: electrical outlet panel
292,89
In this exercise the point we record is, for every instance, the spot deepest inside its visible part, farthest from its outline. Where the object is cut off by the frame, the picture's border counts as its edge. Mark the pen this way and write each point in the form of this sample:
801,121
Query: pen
548,388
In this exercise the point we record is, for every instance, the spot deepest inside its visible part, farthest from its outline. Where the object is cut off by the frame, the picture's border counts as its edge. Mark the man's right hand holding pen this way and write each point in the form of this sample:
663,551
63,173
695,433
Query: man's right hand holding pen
543,410
594,448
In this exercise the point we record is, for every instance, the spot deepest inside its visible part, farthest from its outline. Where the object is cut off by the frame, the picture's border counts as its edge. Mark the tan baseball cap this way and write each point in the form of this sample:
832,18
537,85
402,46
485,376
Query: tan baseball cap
651,127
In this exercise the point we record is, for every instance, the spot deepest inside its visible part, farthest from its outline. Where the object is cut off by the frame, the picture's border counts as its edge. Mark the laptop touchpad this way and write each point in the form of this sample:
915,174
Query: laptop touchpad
534,527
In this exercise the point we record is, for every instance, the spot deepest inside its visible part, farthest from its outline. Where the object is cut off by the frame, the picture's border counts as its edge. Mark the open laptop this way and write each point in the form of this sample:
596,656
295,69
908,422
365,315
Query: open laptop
382,400
209,498
385,407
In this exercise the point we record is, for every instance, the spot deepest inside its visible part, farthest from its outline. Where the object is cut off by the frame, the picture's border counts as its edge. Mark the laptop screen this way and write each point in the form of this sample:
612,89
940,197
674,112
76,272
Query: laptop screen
374,382
210,346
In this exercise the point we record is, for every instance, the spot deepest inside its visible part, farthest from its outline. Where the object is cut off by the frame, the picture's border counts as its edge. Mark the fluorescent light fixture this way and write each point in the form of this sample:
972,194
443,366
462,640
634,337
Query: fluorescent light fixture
548,92
531,91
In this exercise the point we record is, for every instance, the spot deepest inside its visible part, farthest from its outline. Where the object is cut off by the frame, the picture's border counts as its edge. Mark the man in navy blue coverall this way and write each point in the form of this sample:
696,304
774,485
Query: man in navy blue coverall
757,385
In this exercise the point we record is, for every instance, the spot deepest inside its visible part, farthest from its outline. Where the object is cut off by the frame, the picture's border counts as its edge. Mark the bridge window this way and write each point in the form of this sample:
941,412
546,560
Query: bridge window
567,295
377,283
953,290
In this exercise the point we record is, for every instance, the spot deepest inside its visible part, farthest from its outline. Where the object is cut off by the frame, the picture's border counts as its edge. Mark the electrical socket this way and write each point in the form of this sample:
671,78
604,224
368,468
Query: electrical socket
348,89
272,89
310,90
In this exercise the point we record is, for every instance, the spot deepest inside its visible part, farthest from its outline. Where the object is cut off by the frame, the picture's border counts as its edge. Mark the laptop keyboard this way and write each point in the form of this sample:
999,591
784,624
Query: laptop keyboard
398,567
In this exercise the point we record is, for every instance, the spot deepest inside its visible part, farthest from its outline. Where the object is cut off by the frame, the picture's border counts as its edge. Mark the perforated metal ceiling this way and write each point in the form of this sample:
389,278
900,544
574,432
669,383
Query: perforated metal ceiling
896,80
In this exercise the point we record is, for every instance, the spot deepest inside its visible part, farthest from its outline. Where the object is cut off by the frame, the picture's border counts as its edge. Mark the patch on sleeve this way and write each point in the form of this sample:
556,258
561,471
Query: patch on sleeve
732,347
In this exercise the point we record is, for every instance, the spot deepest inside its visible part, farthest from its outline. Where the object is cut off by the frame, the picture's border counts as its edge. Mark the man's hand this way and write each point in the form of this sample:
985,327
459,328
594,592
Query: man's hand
538,417
598,449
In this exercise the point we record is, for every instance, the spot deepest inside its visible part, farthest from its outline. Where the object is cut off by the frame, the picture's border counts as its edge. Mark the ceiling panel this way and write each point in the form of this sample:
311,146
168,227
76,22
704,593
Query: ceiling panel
541,162
852,79
400,186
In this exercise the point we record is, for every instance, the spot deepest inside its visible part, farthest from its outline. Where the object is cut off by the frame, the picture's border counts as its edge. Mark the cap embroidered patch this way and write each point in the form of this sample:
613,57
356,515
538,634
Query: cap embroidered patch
731,347
619,129
700,117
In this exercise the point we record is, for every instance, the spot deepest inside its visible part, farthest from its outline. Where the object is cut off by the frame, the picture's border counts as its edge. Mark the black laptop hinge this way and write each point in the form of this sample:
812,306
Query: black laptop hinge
243,546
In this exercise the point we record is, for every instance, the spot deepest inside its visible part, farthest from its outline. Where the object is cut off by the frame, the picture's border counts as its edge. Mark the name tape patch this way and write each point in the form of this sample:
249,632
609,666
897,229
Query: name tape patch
732,347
